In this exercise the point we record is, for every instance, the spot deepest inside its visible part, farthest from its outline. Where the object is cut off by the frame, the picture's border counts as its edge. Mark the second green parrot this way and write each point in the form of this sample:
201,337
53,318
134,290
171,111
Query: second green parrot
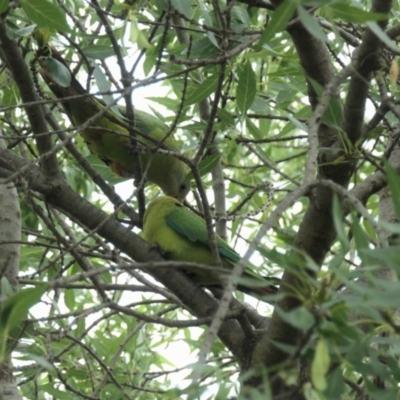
182,236
110,141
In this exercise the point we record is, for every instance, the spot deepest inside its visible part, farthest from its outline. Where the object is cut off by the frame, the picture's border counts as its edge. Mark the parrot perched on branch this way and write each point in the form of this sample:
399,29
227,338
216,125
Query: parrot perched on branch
182,236
109,139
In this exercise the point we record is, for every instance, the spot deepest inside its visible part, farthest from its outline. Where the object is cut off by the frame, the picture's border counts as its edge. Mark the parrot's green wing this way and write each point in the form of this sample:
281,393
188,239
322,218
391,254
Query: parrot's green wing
193,227
149,124
190,225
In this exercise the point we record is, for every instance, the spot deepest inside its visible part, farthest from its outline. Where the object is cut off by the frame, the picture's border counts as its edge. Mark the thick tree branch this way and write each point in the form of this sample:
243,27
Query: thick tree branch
11,55
367,56
10,237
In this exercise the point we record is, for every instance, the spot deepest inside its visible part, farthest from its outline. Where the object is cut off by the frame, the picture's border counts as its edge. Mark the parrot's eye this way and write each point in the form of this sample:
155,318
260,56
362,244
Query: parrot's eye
183,186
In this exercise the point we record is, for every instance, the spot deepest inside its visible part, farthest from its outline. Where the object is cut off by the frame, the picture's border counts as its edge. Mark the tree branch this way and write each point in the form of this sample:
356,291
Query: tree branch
11,55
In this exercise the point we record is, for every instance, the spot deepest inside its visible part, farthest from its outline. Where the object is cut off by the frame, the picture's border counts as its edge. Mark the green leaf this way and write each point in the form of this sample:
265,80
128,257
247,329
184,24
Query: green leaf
320,365
208,21
387,257
333,114
278,21
3,5
137,36
98,52
204,90
369,229
183,6
14,310
246,88
69,299
253,129
59,72
274,256
10,95
240,12
42,362
390,227
169,103
330,150
25,31
298,124
5,288
196,126
45,14
339,224
226,117
337,261
56,393
336,385
206,165
104,86
360,237
101,80
311,25
394,185
203,48
300,317
375,28
354,14
104,171
362,241
150,61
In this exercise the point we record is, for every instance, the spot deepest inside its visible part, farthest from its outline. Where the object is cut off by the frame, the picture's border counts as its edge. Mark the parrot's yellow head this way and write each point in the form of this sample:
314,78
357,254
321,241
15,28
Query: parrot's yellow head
177,185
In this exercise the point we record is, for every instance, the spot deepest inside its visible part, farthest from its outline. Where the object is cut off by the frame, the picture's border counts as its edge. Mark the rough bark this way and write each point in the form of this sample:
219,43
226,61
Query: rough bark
10,236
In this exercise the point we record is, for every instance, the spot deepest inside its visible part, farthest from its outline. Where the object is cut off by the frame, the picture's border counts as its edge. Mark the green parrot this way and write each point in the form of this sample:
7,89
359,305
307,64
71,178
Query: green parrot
182,236
110,141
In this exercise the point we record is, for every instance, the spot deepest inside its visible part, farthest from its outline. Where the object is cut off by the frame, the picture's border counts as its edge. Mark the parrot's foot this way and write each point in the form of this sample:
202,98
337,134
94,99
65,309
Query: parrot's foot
136,150
157,249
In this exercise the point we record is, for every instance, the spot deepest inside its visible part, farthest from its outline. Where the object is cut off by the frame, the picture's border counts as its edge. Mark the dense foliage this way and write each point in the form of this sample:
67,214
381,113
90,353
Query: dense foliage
297,95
